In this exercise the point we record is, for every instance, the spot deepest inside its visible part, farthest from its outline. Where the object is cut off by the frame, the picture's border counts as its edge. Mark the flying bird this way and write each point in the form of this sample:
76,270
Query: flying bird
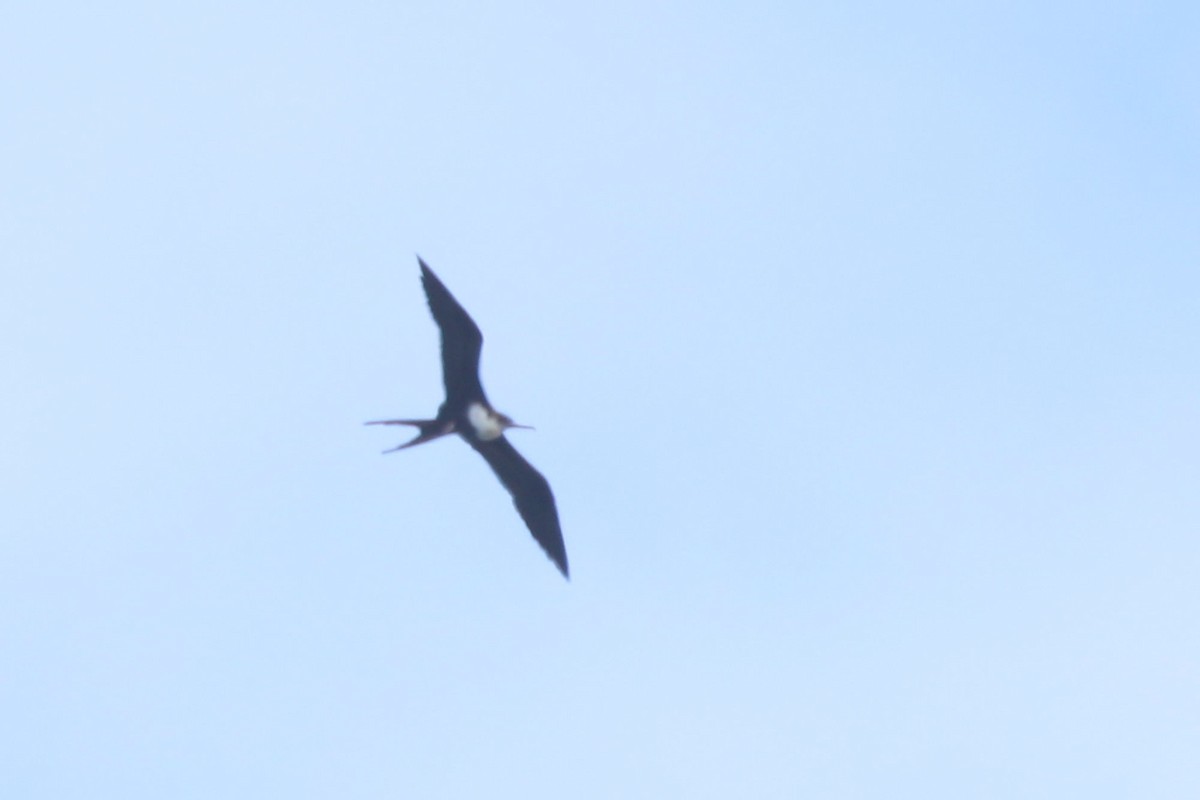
467,412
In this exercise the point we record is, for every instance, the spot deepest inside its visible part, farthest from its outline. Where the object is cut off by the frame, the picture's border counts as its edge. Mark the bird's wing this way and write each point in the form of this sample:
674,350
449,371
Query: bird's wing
531,494
461,341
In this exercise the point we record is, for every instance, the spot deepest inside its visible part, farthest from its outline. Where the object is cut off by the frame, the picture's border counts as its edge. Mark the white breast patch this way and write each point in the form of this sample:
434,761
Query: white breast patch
486,426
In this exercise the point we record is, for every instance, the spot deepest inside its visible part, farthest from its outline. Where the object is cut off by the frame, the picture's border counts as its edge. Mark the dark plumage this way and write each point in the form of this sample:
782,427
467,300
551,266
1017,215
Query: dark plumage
467,412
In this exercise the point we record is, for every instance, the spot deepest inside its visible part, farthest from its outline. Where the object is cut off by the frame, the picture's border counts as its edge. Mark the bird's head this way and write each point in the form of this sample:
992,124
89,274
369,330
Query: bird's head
506,422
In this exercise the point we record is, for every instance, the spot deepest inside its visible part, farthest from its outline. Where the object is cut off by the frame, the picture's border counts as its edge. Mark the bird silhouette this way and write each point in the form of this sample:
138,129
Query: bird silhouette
467,412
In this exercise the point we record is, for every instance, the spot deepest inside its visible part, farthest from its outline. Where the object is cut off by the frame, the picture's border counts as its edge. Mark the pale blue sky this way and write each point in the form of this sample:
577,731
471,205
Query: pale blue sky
860,339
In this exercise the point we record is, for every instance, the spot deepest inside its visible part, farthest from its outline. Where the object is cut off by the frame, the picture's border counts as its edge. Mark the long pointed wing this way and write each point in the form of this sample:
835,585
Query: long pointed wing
531,495
461,341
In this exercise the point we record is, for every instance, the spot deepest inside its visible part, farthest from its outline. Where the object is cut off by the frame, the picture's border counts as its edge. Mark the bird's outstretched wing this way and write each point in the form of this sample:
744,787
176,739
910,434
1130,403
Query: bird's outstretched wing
531,494
461,342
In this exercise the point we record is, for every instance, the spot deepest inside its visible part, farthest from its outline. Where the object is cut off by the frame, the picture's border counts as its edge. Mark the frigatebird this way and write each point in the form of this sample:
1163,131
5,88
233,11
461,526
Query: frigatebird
467,412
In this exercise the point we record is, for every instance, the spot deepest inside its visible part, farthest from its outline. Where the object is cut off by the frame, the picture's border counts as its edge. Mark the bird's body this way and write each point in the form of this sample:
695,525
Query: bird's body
467,412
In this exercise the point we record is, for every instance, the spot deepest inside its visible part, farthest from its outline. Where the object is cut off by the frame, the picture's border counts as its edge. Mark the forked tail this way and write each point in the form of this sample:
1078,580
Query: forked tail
428,430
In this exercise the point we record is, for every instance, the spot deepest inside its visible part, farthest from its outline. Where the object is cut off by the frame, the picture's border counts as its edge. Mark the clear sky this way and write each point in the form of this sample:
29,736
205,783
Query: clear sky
861,340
